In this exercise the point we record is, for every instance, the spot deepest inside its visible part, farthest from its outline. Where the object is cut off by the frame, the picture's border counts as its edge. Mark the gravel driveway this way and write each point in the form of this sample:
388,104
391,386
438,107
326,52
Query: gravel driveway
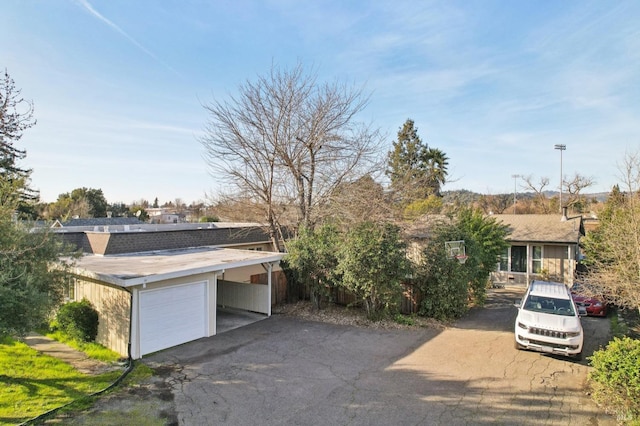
287,371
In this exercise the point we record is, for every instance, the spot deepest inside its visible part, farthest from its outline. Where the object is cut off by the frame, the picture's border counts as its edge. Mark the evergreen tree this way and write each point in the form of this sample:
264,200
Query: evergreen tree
415,170
32,277
16,116
81,202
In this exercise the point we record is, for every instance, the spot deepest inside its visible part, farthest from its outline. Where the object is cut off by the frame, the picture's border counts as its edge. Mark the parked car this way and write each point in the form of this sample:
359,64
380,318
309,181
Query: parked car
548,320
583,297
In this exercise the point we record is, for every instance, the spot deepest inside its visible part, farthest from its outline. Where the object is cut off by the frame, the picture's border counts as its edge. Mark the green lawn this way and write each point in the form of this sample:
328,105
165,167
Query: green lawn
32,383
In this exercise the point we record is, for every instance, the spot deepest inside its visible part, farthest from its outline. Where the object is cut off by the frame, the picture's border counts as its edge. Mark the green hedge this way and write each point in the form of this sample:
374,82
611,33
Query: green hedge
615,378
79,320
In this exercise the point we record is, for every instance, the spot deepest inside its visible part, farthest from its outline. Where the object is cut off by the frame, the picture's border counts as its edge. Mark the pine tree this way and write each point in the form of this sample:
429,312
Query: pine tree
16,115
415,170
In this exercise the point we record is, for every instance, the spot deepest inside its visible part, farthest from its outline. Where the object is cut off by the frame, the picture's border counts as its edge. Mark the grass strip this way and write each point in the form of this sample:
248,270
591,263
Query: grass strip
32,383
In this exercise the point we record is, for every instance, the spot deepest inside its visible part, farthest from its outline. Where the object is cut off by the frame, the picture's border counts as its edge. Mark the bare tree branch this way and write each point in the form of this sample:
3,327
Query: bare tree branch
287,140
540,199
613,250
574,186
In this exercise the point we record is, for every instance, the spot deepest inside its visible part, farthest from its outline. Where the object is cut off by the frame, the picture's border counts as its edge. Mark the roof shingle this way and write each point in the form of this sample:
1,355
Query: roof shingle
542,228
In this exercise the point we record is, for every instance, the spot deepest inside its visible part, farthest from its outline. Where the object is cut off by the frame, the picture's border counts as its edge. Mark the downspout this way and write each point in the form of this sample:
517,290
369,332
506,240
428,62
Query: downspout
129,358
130,364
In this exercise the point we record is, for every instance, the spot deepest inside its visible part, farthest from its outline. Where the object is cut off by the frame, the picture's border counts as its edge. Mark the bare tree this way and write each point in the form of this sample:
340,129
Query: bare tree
495,203
613,250
288,140
543,204
354,202
574,186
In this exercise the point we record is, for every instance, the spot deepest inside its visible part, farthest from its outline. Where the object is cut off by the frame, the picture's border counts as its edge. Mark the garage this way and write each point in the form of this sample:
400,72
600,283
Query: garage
151,301
172,316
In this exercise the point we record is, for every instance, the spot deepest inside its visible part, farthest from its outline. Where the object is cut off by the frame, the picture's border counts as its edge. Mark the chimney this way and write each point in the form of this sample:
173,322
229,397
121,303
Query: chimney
564,214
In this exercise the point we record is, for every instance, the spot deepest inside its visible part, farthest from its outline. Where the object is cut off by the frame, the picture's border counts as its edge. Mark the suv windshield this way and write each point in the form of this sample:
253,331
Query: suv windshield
549,305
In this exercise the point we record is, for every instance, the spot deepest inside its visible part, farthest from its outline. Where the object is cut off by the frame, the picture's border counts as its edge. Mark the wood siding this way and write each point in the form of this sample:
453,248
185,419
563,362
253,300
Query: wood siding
113,305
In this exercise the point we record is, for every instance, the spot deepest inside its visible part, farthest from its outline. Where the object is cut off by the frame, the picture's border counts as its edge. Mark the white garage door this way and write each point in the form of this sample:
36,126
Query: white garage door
171,316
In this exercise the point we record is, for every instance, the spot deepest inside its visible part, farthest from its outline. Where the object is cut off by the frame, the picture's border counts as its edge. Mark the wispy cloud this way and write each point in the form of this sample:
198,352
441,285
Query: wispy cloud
89,8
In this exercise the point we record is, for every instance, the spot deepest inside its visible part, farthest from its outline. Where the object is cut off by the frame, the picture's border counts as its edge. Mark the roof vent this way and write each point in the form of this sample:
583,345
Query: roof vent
564,214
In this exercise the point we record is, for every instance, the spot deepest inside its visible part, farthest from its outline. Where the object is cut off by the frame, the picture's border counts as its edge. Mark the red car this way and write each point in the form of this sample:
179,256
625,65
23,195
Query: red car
595,306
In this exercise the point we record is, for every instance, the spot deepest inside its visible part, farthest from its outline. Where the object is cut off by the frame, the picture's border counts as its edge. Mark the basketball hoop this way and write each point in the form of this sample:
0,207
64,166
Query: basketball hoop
457,250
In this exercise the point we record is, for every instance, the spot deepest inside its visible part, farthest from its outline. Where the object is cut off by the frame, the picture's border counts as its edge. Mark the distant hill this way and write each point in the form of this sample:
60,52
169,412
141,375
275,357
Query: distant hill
465,196
460,196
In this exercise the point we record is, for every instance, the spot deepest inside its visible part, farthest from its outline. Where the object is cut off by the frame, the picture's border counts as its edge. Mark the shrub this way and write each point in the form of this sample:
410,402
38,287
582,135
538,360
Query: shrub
404,319
443,281
79,320
373,264
615,378
207,219
444,286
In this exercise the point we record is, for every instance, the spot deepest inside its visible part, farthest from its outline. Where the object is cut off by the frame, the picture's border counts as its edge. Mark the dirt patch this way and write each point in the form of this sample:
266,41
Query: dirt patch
149,402
343,315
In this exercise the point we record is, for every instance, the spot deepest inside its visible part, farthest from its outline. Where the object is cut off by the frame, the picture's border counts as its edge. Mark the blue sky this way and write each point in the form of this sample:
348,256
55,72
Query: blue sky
118,85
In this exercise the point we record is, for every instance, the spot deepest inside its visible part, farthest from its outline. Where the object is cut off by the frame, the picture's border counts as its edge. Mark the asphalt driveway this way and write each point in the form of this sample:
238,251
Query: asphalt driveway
284,371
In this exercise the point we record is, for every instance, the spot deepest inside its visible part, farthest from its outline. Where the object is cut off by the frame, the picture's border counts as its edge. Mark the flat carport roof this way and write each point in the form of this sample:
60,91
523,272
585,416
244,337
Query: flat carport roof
133,269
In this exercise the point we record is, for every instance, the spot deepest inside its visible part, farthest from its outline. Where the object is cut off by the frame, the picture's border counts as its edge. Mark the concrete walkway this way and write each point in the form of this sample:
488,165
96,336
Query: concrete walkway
78,360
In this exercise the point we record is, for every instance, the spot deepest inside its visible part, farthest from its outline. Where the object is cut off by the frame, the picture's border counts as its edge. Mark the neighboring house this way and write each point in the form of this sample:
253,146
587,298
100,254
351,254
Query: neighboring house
162,215
420,231
158,287
540,247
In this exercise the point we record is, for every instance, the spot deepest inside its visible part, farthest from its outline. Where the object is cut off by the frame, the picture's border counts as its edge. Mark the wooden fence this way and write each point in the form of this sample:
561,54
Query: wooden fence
409,302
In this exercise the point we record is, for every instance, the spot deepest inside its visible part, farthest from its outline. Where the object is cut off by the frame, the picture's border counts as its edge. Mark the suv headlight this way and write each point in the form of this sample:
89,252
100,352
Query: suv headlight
573,334
521,325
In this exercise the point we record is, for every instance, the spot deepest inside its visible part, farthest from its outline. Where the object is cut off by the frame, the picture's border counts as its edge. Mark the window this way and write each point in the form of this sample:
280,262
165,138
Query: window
549,305
504,260
518,258
536,259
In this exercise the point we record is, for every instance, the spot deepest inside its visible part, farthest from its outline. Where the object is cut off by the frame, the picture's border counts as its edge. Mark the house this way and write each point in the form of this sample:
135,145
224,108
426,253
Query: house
155,288
162,215
540,247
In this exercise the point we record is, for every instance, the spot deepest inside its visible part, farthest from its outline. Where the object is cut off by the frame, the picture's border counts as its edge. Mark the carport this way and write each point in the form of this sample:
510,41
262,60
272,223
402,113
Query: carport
173,296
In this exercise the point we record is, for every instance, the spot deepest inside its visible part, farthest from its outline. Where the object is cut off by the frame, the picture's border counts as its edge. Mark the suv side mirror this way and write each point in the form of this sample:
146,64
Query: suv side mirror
517,304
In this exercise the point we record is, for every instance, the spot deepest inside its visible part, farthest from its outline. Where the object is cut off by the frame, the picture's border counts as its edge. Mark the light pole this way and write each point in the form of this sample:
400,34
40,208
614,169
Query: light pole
515,177
560,147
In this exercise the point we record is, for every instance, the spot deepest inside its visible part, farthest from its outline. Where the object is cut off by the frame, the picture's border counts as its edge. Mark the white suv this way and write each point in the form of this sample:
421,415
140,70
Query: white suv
548,320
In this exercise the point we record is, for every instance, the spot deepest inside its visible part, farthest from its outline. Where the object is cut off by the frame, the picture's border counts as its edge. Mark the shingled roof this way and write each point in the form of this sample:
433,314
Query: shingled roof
542,228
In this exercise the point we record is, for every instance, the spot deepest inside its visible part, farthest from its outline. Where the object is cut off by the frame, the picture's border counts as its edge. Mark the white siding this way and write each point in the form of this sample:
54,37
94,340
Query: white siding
250,297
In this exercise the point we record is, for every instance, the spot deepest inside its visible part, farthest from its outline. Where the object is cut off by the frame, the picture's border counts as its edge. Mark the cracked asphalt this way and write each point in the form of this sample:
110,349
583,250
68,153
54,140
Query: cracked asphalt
284,371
